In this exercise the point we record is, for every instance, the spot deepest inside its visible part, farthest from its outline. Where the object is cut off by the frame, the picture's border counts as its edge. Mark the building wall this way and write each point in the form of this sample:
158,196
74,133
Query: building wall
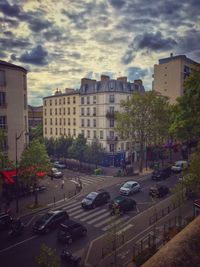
61,115
35,116
13,83
170,74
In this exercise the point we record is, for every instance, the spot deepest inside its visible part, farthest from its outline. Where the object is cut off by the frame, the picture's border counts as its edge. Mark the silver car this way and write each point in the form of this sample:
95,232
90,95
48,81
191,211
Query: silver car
129,188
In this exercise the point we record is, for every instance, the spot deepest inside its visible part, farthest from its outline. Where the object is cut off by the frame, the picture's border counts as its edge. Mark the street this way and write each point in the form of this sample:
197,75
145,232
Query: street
25,248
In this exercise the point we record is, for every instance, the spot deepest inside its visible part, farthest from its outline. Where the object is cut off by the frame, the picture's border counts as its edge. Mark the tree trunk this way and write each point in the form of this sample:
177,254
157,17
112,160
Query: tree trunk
141,163
36,194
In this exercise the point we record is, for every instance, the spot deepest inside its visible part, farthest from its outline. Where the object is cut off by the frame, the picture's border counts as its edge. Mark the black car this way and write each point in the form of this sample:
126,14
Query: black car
158,191
70,230
95,199
68,257
50,220
161,174
122,204
5,220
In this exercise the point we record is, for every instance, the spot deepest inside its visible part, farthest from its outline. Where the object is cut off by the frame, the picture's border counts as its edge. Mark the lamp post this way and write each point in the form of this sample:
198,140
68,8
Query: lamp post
17,137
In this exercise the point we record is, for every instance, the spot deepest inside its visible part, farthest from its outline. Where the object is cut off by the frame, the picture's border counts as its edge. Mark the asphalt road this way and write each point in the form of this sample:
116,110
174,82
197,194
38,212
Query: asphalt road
22,250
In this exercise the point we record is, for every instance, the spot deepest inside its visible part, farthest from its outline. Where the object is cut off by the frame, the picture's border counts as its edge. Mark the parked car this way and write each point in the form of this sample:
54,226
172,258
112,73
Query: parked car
95,199
59,165
70,231
158,191
55,173
180,165
68,257
129,188
162,173
5,220
122,203
50,220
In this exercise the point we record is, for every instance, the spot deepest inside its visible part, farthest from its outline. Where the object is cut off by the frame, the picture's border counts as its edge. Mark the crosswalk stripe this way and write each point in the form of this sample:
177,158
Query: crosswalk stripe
84,214
108,227
92,215
72,205
80,210
74,208
99,218
124,229
103,222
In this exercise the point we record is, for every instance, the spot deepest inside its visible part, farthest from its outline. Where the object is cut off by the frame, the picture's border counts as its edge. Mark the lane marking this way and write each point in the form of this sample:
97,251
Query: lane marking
29,222
99,218
92,215
124,229
108,227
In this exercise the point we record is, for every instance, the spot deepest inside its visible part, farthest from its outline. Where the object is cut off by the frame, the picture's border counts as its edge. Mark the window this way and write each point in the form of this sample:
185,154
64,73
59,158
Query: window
50,102
112,134
94,123
45,102
82,111
94,111
51,132
88,111
55,111
55,102
112,109
51,121
45,130
68,111
74,99
122,146
69,133
50,111
64,131
74,132
56,131
83,132
82,123
88,123
74,121
94,99
88,134
63,111
112,147
111,98
60,111
45,121
88,100
60,131
112,123
82,100
2,122
68,121
68,100
2,99
2,78
94,134
101,134
64,101
74,111
60,101
56,121
111,85
60,121
45,112
64,121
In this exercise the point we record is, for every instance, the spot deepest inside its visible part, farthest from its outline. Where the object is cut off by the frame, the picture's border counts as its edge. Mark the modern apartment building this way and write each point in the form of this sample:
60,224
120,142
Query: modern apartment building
61,114
13,108
98,102
170,74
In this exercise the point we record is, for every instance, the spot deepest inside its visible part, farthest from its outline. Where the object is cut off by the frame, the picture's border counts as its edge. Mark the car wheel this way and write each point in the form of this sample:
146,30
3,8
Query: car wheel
69,241
93,206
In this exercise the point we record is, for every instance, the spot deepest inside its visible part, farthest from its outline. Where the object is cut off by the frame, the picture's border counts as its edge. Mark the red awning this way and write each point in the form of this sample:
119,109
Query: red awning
8,175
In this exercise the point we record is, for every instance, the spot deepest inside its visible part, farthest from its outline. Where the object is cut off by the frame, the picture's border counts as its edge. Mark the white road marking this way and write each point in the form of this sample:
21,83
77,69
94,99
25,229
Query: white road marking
74,208
17,244
84,213
29,222
124,229
92,215
99,218
108,227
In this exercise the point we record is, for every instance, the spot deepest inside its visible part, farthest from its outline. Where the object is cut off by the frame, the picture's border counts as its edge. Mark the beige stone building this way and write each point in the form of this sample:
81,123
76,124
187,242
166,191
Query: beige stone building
170,74
61,114
13,108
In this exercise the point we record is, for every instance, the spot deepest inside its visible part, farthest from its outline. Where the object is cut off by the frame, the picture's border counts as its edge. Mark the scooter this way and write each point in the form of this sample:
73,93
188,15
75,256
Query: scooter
67,256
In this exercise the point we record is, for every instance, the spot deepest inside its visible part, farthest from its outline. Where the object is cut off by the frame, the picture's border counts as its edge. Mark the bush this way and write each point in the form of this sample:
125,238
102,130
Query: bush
98,171
119,173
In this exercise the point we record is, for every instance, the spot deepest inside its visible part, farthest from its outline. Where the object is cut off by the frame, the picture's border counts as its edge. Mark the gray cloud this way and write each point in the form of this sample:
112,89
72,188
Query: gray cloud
9,10
117,3
37,56
10,43
135,73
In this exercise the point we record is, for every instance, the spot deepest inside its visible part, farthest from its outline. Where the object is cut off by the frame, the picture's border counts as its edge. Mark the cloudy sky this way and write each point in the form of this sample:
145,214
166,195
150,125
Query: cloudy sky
62,41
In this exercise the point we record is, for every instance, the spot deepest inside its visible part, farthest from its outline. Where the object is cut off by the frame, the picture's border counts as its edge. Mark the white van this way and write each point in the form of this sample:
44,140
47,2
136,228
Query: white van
180,166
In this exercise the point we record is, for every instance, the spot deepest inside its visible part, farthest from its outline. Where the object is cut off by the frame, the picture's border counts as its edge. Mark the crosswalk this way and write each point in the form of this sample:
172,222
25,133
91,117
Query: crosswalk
98,218
87,180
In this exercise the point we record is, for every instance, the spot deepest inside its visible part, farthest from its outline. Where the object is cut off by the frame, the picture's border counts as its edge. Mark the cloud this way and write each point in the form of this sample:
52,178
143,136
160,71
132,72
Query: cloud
135,73
128,57
9,10
10,43
37,56
37,25
117,3
8,33
75,55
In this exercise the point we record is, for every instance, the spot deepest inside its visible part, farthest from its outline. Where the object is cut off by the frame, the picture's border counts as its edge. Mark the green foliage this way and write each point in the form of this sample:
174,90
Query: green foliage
78,147
5,163
186,113
94,153
36,133
145,119
48,257
98,171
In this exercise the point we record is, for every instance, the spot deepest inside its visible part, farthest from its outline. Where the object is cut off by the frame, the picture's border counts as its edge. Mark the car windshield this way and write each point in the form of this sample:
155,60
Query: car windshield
118,199
92,196
178,164
127,185
45,217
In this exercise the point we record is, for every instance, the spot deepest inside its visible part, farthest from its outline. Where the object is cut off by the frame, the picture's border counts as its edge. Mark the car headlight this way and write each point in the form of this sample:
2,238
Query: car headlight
41,227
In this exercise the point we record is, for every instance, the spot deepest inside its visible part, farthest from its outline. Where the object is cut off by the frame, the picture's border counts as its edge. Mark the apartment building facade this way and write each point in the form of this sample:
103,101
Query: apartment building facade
35,116
13,108
61,114
99,100
170,74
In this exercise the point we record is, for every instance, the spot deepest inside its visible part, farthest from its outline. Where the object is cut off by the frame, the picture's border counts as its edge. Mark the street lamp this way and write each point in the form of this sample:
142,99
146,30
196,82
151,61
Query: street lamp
17,137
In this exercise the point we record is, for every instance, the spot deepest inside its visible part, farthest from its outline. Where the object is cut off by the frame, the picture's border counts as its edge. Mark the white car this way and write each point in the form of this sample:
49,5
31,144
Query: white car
129,188
55,173
180,165
59,165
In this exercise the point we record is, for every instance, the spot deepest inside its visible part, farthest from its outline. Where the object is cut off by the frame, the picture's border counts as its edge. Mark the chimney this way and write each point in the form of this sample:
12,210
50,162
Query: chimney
87,81
104,78
171,54
138,82
68,90
58,92
122,79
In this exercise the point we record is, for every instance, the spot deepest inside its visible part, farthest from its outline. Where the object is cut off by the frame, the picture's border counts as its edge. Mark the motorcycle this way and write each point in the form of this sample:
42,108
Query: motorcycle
67,256
17,228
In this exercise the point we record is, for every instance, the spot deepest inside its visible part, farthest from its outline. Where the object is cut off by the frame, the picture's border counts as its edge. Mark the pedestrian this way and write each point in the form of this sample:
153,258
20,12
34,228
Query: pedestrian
62,184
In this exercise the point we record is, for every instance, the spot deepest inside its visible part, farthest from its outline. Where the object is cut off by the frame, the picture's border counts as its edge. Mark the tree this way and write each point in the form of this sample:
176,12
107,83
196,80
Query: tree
186,124
144,119
36,133
62,145
78,147
48,257
94,152
34,160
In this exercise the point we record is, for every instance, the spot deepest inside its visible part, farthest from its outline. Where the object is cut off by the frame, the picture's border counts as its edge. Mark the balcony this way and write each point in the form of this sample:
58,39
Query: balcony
112,138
